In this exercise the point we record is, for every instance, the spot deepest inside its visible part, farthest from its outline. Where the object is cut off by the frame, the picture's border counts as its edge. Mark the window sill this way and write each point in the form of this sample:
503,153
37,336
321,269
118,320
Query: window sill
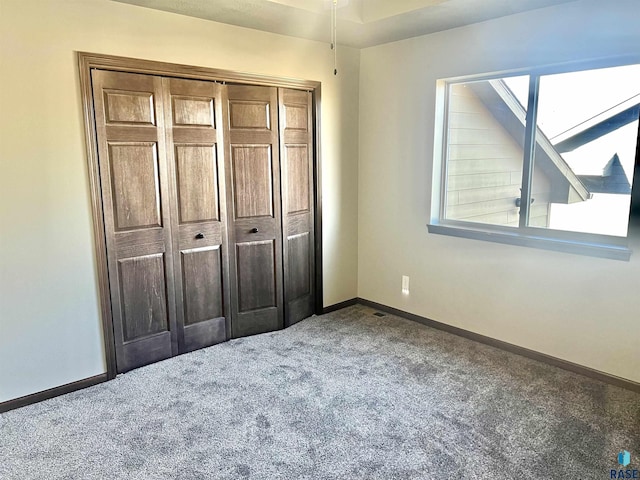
579,247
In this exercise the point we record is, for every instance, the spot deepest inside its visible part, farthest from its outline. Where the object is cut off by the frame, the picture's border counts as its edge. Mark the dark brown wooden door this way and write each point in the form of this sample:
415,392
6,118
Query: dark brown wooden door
253,198
209,233
134,183
296,157
193,112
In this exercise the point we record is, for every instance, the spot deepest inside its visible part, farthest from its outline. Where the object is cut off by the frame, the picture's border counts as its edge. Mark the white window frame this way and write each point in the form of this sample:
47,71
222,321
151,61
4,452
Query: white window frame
596,245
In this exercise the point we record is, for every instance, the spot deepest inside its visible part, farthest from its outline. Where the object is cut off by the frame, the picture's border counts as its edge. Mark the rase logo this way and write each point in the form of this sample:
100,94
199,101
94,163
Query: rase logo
624,459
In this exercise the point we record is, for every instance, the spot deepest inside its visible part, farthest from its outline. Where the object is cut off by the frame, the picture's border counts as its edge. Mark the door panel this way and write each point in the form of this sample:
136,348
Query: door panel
193,111
298,275
136,185
296,138
198,215
129,107
296,115
298,185
197,178
143,290
202,286
256,286
252,181
135,199
255,229
254,115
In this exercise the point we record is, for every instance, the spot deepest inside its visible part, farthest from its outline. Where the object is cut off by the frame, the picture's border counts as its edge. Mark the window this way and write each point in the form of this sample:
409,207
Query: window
540,159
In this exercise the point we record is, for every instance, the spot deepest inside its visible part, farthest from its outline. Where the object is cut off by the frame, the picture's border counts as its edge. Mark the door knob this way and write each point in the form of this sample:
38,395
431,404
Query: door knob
200,236
254,230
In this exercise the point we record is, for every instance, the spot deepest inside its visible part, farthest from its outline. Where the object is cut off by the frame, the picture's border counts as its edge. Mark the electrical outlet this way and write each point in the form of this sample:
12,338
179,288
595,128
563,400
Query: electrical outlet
405,285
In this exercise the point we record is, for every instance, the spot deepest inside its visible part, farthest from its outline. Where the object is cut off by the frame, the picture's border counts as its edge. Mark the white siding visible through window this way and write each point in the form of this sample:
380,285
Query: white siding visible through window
485,166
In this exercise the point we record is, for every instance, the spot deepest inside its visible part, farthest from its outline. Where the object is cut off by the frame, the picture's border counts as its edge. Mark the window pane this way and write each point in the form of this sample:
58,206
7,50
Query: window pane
485,138
585,150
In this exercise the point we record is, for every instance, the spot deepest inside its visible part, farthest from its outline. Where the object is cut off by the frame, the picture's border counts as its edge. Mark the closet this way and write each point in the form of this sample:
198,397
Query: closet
206,197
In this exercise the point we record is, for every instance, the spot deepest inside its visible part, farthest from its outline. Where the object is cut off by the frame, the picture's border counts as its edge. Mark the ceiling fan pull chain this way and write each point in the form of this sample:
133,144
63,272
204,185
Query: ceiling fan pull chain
334,35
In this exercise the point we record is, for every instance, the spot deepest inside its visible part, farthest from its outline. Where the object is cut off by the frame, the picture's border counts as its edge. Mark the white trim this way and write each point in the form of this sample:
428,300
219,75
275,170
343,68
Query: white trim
440,151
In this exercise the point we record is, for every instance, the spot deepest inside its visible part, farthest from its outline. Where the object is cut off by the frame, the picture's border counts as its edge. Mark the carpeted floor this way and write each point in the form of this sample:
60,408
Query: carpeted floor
347,395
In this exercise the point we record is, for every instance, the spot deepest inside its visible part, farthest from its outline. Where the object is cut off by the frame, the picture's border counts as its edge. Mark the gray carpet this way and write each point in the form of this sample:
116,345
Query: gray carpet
346,395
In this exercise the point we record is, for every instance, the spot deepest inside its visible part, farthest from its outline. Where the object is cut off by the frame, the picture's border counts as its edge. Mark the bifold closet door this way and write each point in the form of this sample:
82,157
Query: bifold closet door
162,182
254,209
193,110
134,182
207,196
296,158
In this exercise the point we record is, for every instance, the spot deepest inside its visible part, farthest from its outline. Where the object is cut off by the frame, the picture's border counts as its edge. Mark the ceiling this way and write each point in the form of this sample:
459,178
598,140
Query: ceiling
361,23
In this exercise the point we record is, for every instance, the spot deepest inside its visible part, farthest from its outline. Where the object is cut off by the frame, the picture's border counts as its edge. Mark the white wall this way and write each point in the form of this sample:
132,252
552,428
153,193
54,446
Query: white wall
50,333
577,308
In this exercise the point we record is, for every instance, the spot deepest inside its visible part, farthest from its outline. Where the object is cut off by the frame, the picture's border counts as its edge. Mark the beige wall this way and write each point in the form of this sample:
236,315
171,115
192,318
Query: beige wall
578,308
50,333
